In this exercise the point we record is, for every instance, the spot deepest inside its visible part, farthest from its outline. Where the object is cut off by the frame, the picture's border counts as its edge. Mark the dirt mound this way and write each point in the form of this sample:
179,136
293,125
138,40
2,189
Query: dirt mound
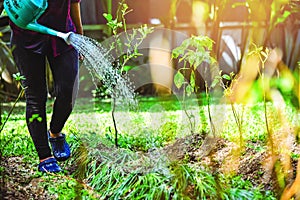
18,180
220,155
253,163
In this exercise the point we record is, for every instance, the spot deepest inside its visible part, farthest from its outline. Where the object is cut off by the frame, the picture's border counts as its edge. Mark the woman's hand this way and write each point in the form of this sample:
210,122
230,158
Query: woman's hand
81,57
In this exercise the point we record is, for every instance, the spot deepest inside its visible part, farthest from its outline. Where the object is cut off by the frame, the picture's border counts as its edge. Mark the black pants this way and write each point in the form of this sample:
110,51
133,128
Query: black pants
65,75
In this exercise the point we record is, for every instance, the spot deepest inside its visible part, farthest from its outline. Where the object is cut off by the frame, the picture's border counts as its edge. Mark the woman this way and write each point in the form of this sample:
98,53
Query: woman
31,49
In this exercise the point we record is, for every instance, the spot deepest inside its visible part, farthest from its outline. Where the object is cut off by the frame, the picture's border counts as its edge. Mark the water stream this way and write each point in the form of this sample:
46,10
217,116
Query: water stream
99,62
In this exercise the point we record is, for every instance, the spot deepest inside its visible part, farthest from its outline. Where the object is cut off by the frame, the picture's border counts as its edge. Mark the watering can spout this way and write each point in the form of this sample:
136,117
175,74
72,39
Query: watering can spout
43,29
65,37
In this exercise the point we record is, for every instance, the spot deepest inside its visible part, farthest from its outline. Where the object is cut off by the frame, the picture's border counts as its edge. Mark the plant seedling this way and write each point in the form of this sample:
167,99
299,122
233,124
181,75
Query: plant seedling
193,51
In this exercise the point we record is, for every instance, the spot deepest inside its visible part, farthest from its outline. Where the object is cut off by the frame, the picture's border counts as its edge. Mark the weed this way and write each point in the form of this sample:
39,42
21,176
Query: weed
242,189
62,187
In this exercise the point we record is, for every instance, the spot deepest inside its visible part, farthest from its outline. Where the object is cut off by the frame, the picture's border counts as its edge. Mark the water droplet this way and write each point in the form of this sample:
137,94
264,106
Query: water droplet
99,63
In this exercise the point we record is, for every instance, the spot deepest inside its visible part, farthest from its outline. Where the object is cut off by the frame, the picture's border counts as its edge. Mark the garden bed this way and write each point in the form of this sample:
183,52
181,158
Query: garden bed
157,156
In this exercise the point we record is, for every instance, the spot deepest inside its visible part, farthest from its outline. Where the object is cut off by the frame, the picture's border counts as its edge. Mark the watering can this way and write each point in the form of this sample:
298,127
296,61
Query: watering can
24,13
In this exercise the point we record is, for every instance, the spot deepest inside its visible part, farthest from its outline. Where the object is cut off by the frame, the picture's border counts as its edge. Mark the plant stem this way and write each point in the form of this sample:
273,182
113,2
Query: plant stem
298,111
114,121
269,132
2,127
12,108
238,122
192,124
1,112
213,128
266,120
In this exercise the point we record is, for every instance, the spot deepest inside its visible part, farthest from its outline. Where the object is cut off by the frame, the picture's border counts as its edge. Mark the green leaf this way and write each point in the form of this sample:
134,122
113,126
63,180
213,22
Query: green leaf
178,79
18,77
226,76
176,52
107,16
189,90
282,18
126,68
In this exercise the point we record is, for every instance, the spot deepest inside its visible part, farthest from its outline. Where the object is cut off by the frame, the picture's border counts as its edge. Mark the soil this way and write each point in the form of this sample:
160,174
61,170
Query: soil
219,155
19,182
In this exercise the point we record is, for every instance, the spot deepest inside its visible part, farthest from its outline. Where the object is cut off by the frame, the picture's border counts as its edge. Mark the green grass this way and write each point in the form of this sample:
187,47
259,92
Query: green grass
137,170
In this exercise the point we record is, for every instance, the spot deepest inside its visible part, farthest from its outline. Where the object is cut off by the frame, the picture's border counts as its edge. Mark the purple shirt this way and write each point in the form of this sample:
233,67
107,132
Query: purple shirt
57,16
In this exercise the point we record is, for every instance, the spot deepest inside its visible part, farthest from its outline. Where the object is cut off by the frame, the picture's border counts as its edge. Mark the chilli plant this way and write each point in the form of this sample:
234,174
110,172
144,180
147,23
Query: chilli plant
125,44
194,52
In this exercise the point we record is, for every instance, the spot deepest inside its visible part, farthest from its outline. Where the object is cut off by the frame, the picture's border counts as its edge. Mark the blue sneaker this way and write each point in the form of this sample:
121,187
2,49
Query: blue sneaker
49,165
60,147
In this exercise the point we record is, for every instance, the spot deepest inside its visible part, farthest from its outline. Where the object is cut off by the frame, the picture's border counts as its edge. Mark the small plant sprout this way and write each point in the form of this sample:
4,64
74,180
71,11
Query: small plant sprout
18,77
263,54
230,80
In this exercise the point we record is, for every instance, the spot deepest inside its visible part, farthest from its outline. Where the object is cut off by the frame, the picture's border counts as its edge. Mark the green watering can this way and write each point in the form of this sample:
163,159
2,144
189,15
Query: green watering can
24,13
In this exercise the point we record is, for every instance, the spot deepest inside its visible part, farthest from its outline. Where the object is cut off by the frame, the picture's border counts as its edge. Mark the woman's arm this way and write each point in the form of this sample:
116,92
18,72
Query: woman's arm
76,17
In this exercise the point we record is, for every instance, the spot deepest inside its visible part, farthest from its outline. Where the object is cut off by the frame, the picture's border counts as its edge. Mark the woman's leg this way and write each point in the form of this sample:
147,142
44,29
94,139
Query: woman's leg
32,67
65,75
